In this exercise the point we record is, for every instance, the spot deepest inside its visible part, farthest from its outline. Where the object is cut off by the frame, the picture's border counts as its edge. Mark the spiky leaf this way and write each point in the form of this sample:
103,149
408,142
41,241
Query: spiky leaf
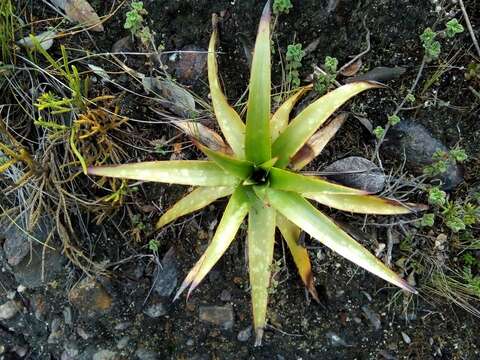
291,234
195,200
304,125
290,181
232,218
184,172
230,122
257,141
261,238
316,224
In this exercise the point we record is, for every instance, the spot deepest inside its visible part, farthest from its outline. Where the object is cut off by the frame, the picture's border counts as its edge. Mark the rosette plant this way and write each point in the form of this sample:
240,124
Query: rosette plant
257,168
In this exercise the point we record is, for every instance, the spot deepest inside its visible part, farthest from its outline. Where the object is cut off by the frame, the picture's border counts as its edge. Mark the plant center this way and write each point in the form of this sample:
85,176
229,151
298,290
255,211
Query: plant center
259,176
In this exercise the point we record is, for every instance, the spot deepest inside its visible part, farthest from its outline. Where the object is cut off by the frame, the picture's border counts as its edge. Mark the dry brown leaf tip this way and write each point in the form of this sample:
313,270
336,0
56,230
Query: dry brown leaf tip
82,12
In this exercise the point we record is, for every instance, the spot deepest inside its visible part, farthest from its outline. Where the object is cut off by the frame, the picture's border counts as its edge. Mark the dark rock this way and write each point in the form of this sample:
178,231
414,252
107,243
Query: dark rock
356,172
372,316
244,334
90,298
42,265
225,295
57,330
155,310
218,315
413,143
166,274
144,354
105,355
189,64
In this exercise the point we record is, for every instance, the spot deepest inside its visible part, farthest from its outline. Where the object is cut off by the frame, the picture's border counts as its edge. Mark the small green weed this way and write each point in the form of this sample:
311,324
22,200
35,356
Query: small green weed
325,81
281,6
429,37
443,160
134,22
294,57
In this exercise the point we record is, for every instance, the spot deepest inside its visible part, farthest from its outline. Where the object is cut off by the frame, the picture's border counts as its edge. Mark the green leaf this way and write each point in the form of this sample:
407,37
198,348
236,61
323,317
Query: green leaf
235,212
239,168
291,234
309,120
316,224
314,146
364,204
183,172
195,200
257,141
230,122
261,238
279,120
290,181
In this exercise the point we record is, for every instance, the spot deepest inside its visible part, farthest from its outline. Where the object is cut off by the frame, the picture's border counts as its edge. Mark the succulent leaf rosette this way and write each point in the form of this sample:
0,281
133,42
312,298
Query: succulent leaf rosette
257,167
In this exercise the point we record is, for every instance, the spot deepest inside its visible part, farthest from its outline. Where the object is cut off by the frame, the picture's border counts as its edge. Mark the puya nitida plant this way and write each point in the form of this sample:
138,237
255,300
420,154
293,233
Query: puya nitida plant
257,167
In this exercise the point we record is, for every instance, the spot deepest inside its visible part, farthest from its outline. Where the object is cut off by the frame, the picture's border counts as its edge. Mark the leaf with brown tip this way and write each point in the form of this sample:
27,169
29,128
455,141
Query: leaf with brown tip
261,239
183,172
279,120
365,204
322,228
230,122
204,135
305,124
232,218
317,142
291,234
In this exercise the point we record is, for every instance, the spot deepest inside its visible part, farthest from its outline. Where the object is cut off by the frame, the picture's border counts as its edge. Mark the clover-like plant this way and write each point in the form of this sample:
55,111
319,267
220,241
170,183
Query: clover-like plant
252,168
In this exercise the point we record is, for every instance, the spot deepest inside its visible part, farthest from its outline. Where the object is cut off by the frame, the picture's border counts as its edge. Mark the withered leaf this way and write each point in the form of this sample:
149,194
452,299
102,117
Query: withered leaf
80,11
352,69
380,74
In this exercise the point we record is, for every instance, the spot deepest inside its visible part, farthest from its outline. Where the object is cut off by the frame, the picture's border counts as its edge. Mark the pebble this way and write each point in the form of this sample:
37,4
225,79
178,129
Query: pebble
218,315
373,317
190,64
16,246
105,355
225,295
123,326
144,354
244,334
155,310
57,331
166,275
413,141
406,338
9,310
71,351
90,298
123,342
336,340
67,315
357,172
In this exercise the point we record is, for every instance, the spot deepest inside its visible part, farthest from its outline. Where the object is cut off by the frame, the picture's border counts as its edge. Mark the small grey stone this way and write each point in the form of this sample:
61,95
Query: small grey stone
336,340
123,342
67,315
70,351
144,354
16,247
123,326
373,317
225,295
356,172
412,142
155,310
104,355
190,342
57,331
165,276
244,334
9,310
218,315
406,338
